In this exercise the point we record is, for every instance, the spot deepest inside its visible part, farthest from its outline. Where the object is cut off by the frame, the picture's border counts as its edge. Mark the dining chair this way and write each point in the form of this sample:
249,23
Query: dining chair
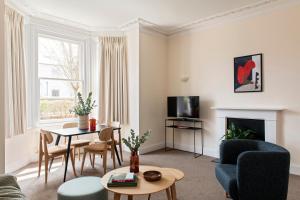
118,137
100,148
51,152
78,143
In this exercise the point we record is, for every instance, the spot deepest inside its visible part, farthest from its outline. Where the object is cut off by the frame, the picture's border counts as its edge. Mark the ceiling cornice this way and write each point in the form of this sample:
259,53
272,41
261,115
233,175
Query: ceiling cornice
145,24
245,11
20,8
199,22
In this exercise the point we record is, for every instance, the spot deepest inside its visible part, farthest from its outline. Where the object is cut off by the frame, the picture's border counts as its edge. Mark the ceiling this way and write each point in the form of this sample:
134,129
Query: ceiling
167,14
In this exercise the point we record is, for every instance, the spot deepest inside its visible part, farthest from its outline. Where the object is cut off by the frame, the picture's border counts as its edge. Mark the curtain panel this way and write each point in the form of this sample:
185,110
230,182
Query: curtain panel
113,94
15,91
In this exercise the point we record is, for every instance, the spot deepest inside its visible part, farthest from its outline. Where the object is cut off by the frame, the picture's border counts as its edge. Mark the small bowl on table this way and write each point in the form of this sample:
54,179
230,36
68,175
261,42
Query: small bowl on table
152,175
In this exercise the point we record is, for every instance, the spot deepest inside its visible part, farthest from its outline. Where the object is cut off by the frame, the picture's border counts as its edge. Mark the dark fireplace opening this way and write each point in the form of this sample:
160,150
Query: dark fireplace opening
256,125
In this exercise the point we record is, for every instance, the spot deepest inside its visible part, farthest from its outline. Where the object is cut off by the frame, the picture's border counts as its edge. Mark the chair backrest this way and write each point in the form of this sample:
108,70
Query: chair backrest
106,134
70,125
263,173
116,124
45,139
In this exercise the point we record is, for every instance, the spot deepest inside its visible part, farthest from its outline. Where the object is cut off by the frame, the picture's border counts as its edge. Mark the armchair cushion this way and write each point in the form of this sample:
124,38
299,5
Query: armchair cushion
263,175
226,175
231,149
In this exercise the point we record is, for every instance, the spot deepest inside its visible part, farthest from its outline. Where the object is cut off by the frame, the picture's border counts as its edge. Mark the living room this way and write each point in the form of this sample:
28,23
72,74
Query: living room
190,74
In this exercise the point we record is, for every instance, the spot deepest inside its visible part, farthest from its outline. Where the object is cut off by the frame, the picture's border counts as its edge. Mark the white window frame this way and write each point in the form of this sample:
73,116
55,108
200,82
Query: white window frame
34,31
82,75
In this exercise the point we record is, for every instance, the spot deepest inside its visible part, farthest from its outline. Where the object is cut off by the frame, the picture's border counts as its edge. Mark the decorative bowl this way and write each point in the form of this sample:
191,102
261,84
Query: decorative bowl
152,175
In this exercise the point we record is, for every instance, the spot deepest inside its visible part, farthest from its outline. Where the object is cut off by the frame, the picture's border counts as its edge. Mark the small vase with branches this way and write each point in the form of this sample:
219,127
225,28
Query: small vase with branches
133,142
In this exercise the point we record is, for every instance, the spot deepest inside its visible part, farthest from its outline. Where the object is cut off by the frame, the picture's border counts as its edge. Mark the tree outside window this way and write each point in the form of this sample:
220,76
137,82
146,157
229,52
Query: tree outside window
60,77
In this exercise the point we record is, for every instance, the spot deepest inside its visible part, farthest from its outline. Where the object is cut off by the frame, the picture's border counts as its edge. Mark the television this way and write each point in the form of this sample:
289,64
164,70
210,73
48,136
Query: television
183,106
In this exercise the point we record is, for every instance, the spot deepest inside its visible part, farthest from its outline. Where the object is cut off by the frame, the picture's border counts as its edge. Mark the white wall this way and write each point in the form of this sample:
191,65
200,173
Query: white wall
206,56
2,133
147,68
133,78
21,150
153,87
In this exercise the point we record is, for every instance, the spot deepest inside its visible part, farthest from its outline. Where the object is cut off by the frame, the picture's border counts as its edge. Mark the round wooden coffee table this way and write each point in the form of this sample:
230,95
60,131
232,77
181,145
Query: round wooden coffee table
178,176
144,187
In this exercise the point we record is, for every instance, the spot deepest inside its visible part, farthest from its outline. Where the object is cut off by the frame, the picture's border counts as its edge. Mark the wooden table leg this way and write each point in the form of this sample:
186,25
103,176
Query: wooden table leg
130,197
117,196
168,194
149,196
173,192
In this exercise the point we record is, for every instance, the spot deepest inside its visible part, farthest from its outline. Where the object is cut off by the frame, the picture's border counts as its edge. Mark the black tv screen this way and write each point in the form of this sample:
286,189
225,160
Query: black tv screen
183,106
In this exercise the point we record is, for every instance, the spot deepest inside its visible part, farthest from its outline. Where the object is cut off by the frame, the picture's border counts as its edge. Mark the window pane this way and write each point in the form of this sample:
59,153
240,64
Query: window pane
57,98
58,59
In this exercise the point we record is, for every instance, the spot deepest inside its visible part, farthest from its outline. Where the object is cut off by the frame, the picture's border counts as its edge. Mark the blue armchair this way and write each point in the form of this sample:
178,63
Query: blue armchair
252,169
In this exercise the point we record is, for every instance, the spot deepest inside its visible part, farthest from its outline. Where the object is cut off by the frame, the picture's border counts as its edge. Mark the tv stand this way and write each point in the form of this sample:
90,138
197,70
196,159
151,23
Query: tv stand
192,127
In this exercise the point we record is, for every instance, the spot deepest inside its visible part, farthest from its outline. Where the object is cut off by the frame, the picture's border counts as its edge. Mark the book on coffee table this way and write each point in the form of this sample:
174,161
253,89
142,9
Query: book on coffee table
122,180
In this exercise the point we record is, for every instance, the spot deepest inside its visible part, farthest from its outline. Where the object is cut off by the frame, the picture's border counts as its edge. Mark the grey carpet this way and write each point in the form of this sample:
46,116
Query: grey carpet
199,182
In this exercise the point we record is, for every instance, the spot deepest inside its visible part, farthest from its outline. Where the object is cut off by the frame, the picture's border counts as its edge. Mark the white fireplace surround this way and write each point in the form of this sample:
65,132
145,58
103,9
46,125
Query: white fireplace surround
269,115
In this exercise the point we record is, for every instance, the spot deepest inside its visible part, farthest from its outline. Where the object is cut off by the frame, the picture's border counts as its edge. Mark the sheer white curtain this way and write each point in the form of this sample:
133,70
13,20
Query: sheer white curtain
113,94
15,99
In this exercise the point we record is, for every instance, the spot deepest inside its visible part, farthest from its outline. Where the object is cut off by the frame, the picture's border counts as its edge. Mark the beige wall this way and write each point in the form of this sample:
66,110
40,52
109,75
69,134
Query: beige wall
2,139
133,79
153,73
206,56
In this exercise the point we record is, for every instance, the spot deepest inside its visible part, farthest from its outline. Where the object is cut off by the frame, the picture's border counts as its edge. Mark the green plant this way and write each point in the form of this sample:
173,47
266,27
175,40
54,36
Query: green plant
236,133
134,142
84,107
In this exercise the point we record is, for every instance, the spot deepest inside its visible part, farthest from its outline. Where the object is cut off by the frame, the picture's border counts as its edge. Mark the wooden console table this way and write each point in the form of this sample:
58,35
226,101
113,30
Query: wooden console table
194,128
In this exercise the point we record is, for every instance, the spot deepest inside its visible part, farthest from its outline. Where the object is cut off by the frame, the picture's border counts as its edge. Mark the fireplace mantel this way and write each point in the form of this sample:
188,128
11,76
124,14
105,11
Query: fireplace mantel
268,114
249,108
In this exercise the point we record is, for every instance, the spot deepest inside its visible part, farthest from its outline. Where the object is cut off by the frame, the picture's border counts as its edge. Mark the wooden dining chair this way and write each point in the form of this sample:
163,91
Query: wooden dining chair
51,152
118,137
100,148
78,143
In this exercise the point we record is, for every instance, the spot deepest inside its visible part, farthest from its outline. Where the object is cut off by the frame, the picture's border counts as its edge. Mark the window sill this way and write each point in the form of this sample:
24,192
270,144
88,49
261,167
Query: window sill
52,123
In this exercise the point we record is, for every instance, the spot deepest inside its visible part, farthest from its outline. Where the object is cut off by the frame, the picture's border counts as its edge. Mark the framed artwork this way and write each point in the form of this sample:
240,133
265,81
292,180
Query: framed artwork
248,73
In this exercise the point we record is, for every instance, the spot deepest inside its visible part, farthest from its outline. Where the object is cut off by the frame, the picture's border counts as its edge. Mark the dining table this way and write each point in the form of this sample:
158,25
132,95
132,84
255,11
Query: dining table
70,132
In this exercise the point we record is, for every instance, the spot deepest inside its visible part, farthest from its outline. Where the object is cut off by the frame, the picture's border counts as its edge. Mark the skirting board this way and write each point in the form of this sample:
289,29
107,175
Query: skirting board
154,147
151,148
18,164
295,169
190,148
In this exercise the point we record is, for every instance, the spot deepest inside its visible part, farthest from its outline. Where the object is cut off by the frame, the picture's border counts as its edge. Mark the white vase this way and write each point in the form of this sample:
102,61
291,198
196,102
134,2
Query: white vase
84,122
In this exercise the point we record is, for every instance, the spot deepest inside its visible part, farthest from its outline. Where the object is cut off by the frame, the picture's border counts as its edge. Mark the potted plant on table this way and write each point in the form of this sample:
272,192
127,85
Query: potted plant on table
83,109
134,142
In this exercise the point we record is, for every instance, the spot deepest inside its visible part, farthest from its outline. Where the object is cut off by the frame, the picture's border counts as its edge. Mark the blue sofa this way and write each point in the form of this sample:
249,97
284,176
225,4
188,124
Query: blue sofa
253,170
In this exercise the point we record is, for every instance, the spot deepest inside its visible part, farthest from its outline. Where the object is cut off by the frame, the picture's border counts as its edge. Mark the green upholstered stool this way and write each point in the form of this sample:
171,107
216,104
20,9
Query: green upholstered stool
87,188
